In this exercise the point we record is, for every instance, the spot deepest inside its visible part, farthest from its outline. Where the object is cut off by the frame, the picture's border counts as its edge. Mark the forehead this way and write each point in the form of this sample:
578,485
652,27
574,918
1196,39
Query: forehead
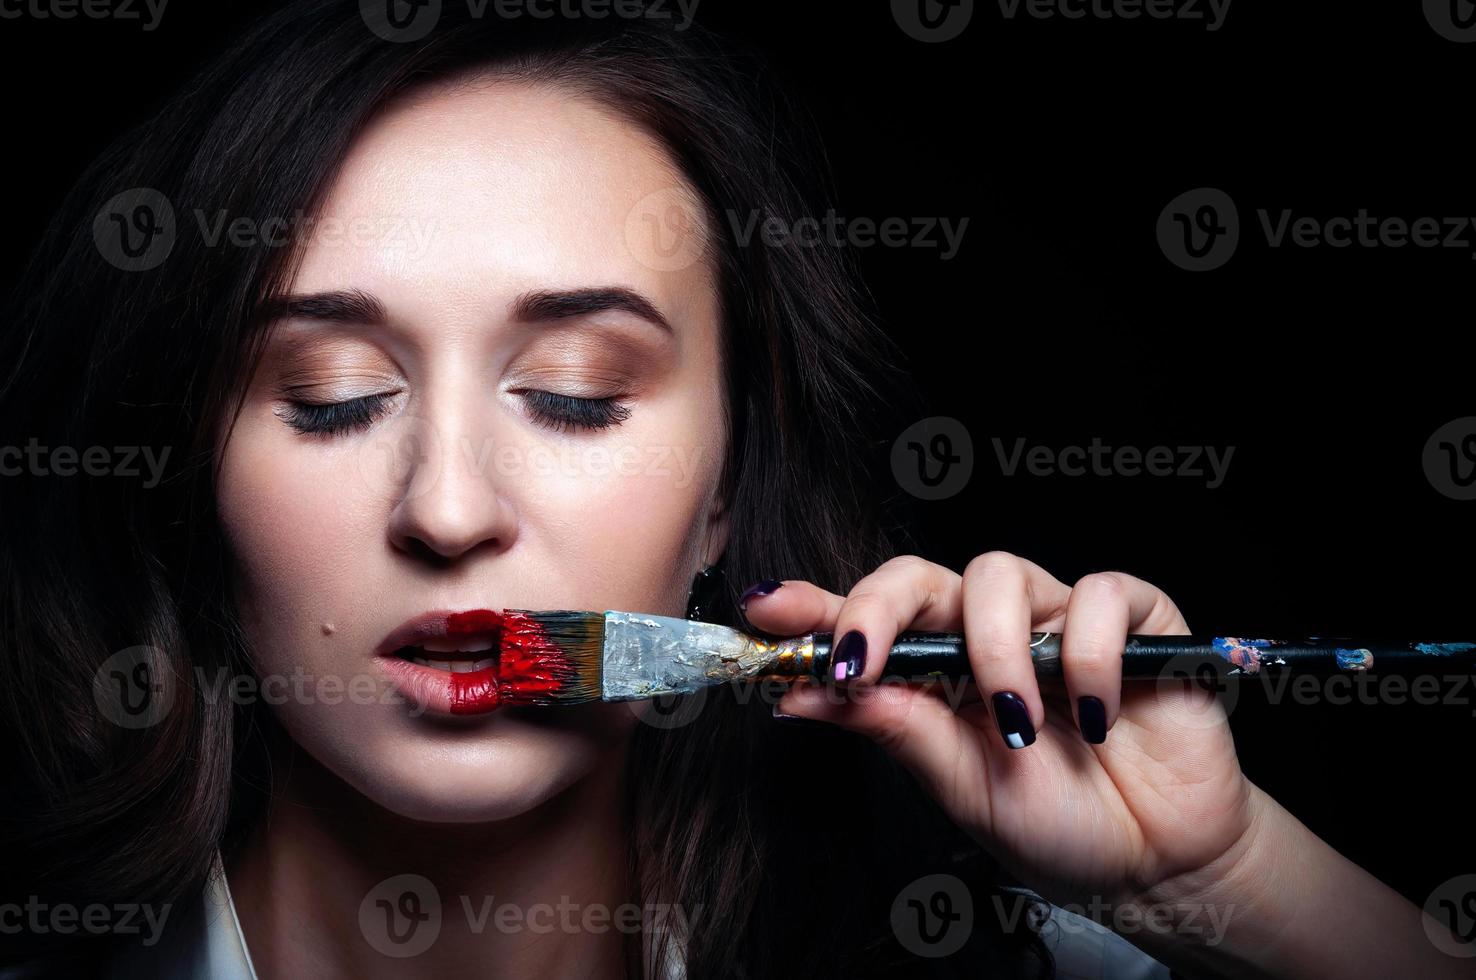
474,192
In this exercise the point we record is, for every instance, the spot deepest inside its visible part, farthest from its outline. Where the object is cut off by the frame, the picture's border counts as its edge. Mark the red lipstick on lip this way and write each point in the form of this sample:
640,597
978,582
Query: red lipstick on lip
527,662
445,692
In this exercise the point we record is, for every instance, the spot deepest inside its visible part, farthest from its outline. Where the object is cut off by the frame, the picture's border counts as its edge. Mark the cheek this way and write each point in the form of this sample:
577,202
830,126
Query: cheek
629,519
296,521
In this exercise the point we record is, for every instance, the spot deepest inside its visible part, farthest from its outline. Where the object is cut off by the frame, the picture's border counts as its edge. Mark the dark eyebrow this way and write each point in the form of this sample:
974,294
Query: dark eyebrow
357,306
338,306
542,305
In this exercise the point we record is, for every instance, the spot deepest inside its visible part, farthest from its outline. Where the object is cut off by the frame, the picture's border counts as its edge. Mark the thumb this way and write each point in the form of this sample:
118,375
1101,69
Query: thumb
916,725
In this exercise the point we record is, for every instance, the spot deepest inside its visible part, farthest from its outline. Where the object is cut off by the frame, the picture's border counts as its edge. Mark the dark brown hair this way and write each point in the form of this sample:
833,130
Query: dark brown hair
793,846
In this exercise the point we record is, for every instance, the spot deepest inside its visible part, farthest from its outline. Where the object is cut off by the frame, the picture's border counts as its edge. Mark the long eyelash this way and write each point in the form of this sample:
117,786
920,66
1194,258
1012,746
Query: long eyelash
562,412
336,418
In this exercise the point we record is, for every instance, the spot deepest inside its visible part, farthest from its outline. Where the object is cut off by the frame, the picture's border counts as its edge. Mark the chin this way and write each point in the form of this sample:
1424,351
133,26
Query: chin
498,767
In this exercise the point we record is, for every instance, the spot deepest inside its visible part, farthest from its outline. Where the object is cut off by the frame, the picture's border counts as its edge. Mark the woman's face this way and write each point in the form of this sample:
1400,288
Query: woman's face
534,419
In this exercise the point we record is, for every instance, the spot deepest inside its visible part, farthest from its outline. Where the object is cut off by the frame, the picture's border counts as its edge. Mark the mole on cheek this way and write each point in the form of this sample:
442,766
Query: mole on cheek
327,629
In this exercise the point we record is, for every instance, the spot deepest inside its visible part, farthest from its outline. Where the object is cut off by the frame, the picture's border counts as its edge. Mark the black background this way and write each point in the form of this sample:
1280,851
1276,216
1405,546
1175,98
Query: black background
1061,320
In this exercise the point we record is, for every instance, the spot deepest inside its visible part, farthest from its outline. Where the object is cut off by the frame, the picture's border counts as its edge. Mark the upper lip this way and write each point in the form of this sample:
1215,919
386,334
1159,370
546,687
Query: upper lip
431,625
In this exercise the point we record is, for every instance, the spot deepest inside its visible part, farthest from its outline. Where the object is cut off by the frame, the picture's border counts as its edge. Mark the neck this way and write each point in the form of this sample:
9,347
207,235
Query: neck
535,895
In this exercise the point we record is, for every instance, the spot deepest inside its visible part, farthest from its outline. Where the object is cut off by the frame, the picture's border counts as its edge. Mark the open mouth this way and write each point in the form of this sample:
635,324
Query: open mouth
458,657
447,662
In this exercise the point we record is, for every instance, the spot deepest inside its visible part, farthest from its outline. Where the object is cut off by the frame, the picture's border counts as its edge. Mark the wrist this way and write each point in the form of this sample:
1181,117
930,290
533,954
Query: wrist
1287,905
1229,917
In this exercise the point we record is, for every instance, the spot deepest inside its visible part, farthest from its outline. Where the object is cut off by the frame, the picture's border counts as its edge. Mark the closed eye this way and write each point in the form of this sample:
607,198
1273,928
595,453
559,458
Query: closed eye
336,418
562,412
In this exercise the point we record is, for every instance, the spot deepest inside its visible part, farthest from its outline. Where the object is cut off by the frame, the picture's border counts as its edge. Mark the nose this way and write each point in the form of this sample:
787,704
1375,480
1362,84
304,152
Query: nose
448,504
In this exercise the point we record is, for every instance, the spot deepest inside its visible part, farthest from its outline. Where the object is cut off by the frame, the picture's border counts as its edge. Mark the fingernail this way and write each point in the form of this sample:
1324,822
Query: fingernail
1091,715
849,658
792,719
766,587
1013,719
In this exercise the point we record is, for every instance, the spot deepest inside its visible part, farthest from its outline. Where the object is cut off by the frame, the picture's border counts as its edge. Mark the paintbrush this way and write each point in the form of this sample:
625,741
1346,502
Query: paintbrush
624,656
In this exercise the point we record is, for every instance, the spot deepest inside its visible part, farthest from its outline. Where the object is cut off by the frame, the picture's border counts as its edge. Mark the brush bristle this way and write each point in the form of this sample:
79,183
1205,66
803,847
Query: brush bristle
551,657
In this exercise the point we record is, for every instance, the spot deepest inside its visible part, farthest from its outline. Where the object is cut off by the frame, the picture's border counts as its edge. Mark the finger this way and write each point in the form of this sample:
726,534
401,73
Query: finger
790,608
904,593
1003,596
920,730
1103,608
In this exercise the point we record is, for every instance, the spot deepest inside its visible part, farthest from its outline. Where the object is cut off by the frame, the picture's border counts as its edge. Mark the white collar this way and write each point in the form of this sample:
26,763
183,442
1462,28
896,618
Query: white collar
204,941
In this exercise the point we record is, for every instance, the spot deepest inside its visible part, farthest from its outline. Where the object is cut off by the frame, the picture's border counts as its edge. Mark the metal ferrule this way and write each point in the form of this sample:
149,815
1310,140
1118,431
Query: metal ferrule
648,656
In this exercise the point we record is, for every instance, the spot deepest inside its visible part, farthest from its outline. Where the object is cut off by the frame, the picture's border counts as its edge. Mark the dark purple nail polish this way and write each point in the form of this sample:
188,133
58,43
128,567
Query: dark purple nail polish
849,658
1091,716
766,587
1013,719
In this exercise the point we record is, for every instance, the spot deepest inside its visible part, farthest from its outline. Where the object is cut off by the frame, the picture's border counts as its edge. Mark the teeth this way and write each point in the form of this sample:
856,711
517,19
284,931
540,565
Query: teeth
451,644
455,666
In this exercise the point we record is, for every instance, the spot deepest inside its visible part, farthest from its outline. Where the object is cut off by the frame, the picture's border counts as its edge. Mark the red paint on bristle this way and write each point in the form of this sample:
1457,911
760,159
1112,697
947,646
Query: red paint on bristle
531,664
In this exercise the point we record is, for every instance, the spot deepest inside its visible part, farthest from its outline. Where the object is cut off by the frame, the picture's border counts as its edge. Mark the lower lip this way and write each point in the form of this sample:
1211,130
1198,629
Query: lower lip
442,692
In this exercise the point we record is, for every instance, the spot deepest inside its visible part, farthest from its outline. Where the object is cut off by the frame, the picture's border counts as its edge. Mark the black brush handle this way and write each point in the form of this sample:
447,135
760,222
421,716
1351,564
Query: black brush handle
918,656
